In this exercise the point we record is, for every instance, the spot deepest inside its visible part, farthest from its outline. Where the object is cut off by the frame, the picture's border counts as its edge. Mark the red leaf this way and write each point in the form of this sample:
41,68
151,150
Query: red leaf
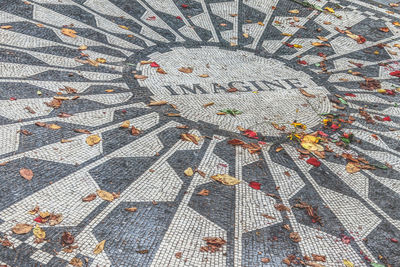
13,98
154,65
387,118
313,161
178,17
334,127
38,219
255,185
302,62
395,73
350,94
394,240
251,134
151,18
184,6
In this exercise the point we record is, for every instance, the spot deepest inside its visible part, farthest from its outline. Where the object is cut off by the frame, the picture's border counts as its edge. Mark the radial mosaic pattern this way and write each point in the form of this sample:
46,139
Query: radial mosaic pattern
73,69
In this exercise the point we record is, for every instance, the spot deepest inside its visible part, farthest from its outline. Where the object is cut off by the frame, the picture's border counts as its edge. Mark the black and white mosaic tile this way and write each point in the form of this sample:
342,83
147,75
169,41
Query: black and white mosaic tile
263,48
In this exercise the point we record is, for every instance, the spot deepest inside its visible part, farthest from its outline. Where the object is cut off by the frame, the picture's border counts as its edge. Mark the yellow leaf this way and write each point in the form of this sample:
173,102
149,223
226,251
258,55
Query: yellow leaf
93,139
123,27
310,139
109,90
297,46
188,172
125,124
6,27
38,232
226,179
204,75
82,47
143,62
382,91
348,263
330,9
68,32
286,34
101,60
245,35
99,248
157,103
22,228
105,195
53,126
294,11
352,167
396,23
312,146
260,23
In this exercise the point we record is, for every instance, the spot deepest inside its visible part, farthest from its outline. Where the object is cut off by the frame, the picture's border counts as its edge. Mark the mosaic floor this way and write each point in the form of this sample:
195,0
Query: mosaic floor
199,133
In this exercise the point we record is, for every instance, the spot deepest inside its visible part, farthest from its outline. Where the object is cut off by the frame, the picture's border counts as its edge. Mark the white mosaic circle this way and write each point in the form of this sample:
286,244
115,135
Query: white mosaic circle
267,90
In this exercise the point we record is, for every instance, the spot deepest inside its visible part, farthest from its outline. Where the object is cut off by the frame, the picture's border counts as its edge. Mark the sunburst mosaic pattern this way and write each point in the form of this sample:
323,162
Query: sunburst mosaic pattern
70,69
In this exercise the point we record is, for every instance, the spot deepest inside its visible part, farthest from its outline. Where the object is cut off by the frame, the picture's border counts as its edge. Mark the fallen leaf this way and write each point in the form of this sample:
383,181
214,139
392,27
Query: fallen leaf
67,239
255,185
93,139
294,11
214,244
26,174
82,47
384,29
226,179
55,219
89,198
305,93
190,137
324,39
188,172
348,263
329,9
317,257
82,131
208,104
161,71
313,161
140,77
143,251
22,228
265,260
125,124
6,27
39,233
295,237
105,195
68,32
123,27
173,114
352,167
101,60
186,70
203,192
76,262
53,126
157,103
131,209
135,131
268,216
204,75
99,248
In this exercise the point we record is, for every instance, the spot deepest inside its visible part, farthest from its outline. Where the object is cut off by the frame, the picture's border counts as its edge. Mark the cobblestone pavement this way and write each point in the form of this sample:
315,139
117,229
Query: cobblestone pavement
295,100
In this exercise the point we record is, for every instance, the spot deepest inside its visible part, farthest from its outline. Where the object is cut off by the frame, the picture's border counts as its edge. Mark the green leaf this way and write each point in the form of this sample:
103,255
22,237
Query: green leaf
232,112
377,264
344,102
345,140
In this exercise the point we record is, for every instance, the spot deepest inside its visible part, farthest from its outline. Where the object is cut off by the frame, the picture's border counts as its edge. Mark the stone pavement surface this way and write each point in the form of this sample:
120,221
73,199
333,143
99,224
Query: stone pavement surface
199,133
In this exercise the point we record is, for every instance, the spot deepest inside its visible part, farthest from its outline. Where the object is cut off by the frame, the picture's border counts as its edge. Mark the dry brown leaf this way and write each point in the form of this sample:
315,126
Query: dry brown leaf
99,248
317,257
82,47
93,139
101,60
135,131
76,262
226,179
265,260
186,70
304,92
6,27
125,124
353,167
190,137
189,172
82,131
22,228
140,77
158,103
53,126
268,216
324,39
204,75
173,114
161,71
131,209
26,174
208,104
295,237
203,192
68,32
105,195
89,198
